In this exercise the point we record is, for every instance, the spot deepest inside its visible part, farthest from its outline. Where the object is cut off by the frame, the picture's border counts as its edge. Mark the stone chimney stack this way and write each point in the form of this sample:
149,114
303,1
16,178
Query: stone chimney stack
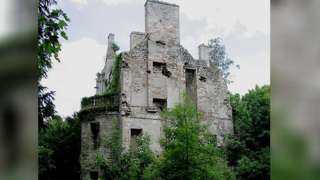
162,22
110,51
204,53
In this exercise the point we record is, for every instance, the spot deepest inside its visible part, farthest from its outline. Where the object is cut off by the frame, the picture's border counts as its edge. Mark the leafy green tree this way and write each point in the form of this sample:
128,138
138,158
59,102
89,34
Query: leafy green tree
52,23
189,151
218,56
248,150
59,149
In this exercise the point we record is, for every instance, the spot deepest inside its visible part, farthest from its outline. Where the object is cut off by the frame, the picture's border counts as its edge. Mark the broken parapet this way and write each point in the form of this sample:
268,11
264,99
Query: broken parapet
204,53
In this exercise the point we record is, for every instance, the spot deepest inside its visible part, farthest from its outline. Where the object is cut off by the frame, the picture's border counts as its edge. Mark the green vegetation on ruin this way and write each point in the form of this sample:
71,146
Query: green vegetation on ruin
108,100
189,152
114,87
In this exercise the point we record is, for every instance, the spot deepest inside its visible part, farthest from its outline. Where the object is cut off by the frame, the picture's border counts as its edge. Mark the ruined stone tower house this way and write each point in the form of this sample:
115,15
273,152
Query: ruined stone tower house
154,73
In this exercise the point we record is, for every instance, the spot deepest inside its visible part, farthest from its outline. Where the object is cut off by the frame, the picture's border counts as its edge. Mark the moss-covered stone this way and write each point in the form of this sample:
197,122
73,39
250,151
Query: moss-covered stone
90,106
114,86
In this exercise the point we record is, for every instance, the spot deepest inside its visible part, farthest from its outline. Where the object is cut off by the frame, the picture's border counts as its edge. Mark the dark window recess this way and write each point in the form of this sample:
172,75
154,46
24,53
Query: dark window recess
157,66
94,175
160,103
135,133
203,79
95,128
191,87
161,43
161,67
124,64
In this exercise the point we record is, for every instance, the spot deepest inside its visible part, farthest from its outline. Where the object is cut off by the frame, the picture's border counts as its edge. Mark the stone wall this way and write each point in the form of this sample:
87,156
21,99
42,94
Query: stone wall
149,126
134,87
134,76
213,101
89,150
141,85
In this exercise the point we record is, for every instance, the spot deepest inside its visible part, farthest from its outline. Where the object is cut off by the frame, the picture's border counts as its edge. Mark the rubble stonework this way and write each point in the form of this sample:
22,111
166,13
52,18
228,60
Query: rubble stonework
154,74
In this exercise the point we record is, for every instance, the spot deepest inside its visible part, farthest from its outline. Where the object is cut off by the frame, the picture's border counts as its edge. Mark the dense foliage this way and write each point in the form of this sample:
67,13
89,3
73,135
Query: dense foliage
218,56
52,23
248,150
189,151
59,149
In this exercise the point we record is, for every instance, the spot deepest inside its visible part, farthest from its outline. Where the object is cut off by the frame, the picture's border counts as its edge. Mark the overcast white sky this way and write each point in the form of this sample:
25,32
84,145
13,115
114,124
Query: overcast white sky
244,26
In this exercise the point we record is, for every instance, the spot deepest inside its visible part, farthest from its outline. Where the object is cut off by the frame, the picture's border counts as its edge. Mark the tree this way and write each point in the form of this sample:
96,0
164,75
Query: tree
52,23
248,150
189,151
59,149
218,56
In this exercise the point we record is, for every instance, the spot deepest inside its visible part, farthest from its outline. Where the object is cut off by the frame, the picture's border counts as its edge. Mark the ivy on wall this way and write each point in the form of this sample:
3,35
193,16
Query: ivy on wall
110,99
114,87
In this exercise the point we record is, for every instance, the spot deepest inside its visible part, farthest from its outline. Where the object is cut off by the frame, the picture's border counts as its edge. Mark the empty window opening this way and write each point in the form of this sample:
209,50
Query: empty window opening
135,133
95,128
160,103
94,175
158,66
203,79
161,67
191,87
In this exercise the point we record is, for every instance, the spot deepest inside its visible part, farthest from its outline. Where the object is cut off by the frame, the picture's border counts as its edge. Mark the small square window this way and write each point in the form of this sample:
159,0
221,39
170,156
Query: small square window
160,103
135,133
158,66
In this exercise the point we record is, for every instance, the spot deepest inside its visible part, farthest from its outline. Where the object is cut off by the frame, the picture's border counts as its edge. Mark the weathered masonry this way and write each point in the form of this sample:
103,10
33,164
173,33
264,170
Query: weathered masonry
152,76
